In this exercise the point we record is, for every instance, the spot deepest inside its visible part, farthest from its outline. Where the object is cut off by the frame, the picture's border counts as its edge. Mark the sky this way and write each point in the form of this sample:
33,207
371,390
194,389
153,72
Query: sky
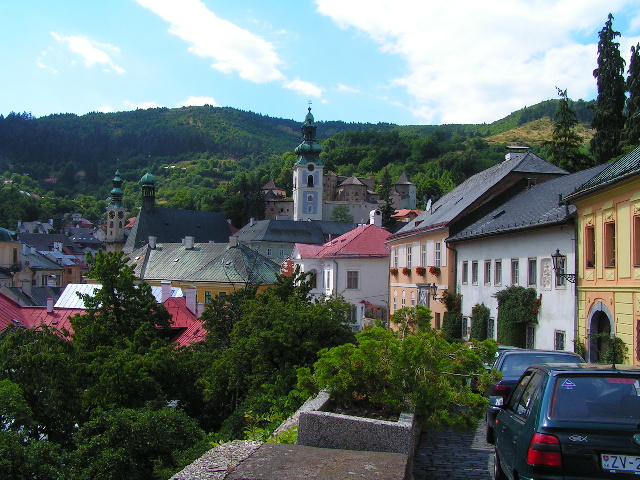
408,62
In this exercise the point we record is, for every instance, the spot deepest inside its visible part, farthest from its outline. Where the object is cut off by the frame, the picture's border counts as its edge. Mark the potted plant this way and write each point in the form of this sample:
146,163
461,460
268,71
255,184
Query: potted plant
421,271
406,271
393,271
434,270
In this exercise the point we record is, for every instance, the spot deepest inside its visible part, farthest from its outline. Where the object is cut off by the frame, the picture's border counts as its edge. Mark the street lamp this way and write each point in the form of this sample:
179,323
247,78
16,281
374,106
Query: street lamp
559,261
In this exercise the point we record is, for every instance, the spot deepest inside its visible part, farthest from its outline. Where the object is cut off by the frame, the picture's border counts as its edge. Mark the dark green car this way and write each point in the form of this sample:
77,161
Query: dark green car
577,421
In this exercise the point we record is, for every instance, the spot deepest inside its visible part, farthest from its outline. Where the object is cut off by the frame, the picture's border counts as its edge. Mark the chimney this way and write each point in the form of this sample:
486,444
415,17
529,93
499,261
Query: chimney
188,243
375,218
190,294
49,305
233,241
26,287
251,221
515,151
152,242
166,290
199,309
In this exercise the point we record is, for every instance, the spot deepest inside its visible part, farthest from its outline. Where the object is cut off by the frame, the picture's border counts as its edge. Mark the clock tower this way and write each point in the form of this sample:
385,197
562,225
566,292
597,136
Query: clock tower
115,217
308,174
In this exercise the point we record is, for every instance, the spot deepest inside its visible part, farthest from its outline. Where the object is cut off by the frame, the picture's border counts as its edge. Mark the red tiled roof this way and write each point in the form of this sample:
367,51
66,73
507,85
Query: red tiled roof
363,241
12,313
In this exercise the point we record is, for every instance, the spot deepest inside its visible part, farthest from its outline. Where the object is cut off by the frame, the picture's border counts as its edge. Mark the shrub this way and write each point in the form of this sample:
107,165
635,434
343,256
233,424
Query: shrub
479,321
517,307
452,319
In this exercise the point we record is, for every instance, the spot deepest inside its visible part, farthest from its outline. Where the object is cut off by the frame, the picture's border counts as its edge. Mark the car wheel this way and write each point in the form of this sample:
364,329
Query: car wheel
498,473
489,434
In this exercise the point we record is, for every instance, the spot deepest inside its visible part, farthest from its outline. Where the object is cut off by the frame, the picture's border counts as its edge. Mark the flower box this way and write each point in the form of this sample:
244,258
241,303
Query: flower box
393,271
406,271
434,270
421,271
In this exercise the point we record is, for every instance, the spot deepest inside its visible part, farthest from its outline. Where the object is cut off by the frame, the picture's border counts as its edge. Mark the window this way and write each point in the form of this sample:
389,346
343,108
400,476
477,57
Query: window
309,209
395,301
313,278
281,253
491,328
310,181
532,274
353,314
413,299
395,257
636,240
465,327
530,338
474,273
437,254
269,252
409,253
423,255
465,272
590,247
403,301
525,402
487,272
515,271
352,280
327,279
610,244
69,271
222,295
498,273
207,297
560,338
437,325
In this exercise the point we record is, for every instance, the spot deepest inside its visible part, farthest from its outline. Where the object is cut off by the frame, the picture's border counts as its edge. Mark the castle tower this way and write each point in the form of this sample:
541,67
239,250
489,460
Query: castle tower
115,217
307,175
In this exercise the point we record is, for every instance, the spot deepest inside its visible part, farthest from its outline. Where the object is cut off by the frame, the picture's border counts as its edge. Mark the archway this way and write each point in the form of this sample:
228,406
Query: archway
600,330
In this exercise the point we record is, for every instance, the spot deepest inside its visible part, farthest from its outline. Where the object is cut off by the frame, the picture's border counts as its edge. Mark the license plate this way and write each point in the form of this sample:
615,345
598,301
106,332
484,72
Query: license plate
621,463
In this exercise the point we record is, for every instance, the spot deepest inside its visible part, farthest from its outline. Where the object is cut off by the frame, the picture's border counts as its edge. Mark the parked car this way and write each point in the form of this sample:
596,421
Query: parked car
571,421
512,363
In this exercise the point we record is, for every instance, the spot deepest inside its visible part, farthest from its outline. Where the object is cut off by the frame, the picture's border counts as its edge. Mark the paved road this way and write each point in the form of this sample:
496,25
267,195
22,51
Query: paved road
449,455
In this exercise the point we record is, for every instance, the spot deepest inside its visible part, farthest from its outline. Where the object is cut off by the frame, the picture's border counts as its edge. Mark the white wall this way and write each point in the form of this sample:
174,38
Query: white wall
558,309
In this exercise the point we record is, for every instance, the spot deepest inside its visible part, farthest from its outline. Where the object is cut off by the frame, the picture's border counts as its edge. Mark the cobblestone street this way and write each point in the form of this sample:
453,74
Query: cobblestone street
453,456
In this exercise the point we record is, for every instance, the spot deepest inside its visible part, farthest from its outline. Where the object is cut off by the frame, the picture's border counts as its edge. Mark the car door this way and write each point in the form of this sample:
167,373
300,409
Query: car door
513,426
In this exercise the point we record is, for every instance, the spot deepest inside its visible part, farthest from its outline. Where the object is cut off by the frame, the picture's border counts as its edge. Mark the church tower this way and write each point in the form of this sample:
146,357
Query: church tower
307,175
115,217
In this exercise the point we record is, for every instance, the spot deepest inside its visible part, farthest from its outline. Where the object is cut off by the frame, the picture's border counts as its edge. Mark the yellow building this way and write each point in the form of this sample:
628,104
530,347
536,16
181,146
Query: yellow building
608,273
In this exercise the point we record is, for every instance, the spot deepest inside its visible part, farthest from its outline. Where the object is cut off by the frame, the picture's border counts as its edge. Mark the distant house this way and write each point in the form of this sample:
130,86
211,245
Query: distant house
275,238
608,253
354,265
512,245
213,269
420,257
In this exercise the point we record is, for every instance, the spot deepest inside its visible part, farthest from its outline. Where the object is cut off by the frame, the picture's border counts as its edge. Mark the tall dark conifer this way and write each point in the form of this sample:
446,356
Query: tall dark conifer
631,132
385,195
564,147
608,120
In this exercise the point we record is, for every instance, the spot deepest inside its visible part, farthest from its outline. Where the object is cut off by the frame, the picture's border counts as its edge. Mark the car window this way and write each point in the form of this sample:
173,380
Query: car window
598,398
515,365
530,392
517,391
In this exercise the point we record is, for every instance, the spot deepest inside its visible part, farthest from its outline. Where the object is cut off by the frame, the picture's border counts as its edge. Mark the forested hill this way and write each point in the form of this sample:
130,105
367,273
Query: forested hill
204,156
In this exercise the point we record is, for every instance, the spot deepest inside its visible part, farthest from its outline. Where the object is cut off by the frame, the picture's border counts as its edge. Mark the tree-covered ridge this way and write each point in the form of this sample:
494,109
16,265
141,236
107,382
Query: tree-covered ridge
213,158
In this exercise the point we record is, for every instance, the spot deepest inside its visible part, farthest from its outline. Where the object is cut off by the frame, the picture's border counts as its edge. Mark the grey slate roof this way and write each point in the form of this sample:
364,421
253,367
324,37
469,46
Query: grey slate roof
457,201
624,167
315,232
44,241
205,262
37,298
534,208
171,225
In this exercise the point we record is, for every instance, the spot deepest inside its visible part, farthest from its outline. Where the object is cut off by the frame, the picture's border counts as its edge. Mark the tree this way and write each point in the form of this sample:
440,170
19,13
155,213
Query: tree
564,147
122,309
341,214
631,132
608,120
387,209
452,321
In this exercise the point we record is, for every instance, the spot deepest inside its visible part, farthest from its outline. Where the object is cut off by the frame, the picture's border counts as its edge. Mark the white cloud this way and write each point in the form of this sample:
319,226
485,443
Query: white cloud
233,49
470,61
197,102
303,88
91,52
104,109
347,89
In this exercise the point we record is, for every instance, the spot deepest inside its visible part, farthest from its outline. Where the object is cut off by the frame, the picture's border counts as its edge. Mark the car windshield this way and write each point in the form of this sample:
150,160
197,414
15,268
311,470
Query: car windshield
596,398
515,365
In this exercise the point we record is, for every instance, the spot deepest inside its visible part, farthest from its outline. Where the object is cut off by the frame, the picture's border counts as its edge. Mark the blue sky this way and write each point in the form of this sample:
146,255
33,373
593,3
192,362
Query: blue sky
399,61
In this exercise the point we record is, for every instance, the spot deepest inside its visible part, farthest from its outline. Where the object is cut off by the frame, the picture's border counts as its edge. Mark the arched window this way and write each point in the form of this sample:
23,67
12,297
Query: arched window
310,181
313,278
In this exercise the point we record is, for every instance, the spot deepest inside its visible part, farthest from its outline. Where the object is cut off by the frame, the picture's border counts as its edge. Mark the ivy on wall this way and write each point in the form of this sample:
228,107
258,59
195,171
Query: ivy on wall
517,307
479,321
